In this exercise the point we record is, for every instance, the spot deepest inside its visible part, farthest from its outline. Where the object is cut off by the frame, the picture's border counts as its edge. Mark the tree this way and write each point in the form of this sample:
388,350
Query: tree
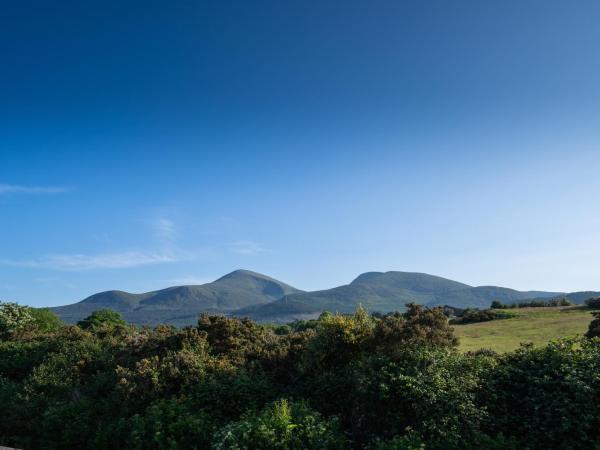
14,318
103,318
594,328
428,326
45,320
593,303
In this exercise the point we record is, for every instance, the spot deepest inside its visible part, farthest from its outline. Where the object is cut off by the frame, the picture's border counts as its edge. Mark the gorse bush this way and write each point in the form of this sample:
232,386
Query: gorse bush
393,381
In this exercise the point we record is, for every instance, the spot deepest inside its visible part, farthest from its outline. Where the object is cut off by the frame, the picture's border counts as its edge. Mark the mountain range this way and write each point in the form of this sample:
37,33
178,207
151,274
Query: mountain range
243,293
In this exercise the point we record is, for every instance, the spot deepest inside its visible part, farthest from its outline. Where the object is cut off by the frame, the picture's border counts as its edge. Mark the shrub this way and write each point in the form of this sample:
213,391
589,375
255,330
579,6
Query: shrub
169,424
103,318
44,320
432,391
14,319
555,302
593,303
546,397
282,425
594,327
478,315
393,381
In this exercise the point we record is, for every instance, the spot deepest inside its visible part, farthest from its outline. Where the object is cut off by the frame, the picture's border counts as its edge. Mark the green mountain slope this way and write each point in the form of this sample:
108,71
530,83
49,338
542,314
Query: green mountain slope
383,292
579,297
244,293
181,305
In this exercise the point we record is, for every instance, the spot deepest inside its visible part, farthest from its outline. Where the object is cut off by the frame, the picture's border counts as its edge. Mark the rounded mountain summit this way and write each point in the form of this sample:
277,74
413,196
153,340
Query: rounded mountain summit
245,293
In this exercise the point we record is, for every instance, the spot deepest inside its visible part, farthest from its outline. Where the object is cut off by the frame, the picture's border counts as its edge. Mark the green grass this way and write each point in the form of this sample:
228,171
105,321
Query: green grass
535,325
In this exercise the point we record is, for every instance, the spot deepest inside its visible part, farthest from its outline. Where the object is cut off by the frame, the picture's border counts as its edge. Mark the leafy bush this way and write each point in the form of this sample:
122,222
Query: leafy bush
547,397
168,424
392,381
555,302
478,315
593,303
103,318
44,320
14,319
594,328
284,426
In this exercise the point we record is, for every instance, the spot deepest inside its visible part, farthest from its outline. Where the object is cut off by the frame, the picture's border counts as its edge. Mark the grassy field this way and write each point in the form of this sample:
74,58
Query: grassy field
536,325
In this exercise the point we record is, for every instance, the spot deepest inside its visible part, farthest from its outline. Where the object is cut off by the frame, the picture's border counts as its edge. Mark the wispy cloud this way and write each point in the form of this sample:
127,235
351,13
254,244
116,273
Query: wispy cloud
164,229
246,248
101,237
55,281
87,262
7,189
165,252
188,280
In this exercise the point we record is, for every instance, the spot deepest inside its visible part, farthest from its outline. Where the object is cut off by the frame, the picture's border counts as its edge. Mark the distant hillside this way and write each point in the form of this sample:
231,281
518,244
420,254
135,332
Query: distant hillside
244,293
383,292
581,296
181,305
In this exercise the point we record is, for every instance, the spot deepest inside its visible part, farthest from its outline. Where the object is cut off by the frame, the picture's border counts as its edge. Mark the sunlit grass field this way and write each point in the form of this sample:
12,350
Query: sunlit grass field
535,325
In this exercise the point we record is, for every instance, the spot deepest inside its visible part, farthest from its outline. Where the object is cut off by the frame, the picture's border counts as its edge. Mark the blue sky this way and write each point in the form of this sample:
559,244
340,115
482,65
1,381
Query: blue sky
146,145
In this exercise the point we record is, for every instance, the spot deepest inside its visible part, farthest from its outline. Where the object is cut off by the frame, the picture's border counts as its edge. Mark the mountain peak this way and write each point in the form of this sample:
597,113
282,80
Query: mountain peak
182,304
408,280
366,277
243,273
247,293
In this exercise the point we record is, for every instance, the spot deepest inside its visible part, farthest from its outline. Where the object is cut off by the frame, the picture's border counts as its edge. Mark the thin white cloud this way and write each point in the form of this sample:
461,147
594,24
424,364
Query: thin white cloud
246,248
101,237
164,229
188,280
7,189
87,262
55,281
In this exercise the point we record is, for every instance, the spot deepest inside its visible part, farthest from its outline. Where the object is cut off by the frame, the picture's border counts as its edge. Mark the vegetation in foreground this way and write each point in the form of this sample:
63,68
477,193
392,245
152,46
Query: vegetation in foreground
343,381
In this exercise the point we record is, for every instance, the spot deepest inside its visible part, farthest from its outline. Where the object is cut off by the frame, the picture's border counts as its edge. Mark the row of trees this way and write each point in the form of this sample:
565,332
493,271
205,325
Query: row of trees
342,381
555,302
472,315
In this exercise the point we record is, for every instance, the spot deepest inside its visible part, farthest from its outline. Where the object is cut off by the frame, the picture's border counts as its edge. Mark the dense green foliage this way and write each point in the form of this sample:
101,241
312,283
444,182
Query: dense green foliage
594,328
593,303
554,302
343,381
16,320
103,318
